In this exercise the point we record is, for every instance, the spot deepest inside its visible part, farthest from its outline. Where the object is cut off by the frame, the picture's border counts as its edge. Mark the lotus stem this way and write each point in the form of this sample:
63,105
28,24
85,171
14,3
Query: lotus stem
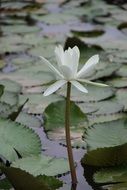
68,137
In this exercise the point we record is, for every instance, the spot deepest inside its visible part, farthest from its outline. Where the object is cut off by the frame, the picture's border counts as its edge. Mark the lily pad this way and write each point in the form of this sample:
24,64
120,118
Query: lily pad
19,29
37,102
10,98
94,94
55,122
26,144
121,97
24,181
28,120
114,177
42,165
11,85
122,72
106,143
1,90
118,82
54,115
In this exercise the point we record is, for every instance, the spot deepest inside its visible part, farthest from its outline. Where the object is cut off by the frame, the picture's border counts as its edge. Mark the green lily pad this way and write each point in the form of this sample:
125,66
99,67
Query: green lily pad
122,72
55,122
42,165
46,51
106,143
121,97
94,94
94,119
11,85
21,62
8,48
24,181
26,144
56,18
107,134
102,157
19,29
28,120
91,33
37,102
118,82
54,115
114,177
10,98
11,39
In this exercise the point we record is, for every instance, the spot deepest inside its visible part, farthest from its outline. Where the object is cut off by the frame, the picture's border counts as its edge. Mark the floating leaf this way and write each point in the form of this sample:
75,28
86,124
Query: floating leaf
27,143
19,29
8,48
21,62
108,134
11,85
105,107
106,143
118,82
114,177
121,97
55,112
55,122
28,120
94,119
122,72
37,102
95,93
56,18
42,165
10,98
24,181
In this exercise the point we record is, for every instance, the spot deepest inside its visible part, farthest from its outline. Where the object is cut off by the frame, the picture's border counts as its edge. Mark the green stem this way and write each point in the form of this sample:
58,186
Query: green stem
68,138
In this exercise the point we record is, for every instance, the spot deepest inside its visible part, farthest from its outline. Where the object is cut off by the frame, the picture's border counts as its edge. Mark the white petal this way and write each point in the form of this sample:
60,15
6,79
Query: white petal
54,87
59,52
51,67
66,72
89,65
79,86
75,59
92,83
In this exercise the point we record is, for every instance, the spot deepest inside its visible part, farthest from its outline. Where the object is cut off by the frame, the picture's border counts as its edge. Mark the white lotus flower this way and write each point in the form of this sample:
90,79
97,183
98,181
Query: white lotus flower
67,69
